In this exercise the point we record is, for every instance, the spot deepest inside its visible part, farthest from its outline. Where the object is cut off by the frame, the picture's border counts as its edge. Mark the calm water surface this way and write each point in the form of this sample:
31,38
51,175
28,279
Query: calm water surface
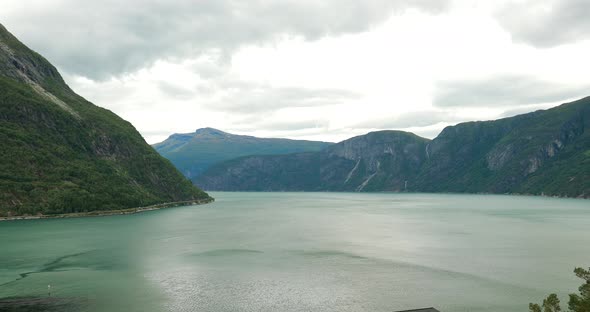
306,252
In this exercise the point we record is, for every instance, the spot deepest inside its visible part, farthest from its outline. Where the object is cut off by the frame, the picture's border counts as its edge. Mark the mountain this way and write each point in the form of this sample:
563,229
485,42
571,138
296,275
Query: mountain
378,160
60,153
193,153
543,152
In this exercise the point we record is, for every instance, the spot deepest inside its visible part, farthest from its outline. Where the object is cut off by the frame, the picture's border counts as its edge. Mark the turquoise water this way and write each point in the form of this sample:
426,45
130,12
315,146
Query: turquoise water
306,252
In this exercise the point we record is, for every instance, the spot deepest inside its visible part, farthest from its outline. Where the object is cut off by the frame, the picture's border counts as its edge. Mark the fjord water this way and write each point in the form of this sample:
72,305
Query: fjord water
305,252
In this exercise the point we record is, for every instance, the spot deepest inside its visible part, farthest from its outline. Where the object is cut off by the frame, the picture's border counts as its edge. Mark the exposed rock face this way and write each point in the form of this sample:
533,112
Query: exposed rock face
544,152
499,156
373,146
384,159
506,155
27,69
62,154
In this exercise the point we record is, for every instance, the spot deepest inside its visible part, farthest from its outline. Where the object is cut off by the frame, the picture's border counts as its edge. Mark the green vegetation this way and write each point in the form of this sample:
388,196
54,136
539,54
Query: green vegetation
193,153
62,154
577,303
541,153
381,160
536,153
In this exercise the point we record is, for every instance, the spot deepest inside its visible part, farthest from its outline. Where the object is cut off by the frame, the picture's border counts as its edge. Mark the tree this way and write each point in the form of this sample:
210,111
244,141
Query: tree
551,304
577,303
581,302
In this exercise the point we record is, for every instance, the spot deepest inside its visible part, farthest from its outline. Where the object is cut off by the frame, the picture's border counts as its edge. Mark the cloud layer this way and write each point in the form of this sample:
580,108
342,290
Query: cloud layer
547,23
505,91
324,70
98,39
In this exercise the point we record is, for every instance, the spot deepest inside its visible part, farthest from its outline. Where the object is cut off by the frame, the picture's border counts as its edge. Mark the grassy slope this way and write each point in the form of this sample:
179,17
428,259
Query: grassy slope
462,163
568,173
56,163
193,154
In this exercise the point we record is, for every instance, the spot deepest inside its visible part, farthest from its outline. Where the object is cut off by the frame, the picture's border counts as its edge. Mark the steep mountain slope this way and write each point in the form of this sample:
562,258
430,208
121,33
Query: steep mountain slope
60,153
377,161
544,152
535,153
193,153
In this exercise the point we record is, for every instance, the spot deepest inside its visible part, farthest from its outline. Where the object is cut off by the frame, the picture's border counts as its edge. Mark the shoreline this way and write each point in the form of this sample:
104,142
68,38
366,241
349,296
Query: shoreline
582,196
104,213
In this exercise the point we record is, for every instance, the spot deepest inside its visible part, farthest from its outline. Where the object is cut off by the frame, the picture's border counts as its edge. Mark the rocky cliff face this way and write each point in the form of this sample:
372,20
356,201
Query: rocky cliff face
61,154
382,160
501,156
374,161
544,152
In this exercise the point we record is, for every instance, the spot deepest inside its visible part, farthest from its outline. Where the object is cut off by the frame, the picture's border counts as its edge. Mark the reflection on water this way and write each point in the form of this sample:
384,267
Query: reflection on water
301,252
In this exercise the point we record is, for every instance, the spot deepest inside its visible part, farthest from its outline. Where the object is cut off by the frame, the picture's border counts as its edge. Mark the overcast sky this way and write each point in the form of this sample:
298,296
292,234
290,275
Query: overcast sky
321,70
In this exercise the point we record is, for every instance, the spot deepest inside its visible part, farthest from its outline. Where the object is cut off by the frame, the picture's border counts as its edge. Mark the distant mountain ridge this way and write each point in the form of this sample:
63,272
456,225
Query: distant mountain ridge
363,163
193,153
62,154
543,152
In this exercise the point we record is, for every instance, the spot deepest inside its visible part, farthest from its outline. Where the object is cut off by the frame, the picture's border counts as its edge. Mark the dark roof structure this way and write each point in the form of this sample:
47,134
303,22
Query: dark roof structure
421,310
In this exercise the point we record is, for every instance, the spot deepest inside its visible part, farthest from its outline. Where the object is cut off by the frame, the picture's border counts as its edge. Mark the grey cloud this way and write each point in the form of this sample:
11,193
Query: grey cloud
156,133
175,91
316,134
99,39
523,110
504,91
408,120
428,133
252,124
547,23
249,98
